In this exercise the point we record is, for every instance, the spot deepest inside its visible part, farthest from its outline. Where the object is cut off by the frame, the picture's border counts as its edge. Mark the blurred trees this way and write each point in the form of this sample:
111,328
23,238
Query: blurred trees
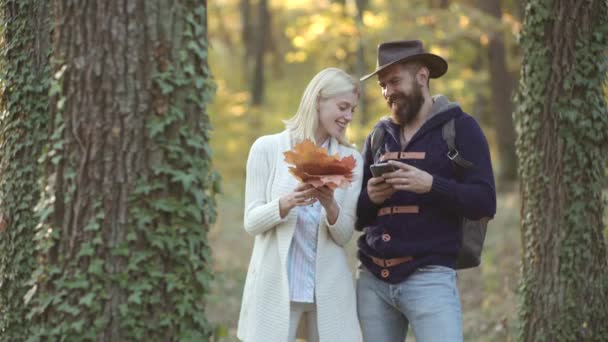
309,36
120,249
501,104
563,150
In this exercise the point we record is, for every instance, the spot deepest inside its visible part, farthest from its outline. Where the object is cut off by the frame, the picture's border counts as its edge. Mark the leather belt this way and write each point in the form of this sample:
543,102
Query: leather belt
391,262
403,155
405,209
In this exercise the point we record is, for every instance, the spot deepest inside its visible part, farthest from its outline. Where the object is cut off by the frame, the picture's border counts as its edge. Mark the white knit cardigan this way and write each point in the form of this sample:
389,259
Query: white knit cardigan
265,308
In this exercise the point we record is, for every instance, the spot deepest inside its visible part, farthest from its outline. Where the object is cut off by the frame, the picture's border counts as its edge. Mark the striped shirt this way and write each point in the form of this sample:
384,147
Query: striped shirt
303,252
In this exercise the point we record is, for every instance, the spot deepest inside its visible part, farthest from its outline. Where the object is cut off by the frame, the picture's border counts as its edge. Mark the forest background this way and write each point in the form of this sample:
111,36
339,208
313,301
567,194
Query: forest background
263,54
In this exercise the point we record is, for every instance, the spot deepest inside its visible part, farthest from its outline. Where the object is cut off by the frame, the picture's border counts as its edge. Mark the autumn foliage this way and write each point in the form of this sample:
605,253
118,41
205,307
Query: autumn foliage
312,165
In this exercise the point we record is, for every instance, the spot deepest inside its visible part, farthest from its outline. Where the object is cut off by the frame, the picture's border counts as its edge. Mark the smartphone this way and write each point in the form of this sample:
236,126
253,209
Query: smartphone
381,168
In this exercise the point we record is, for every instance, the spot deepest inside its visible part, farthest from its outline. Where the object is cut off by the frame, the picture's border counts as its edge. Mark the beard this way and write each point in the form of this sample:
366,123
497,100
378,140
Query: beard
406,106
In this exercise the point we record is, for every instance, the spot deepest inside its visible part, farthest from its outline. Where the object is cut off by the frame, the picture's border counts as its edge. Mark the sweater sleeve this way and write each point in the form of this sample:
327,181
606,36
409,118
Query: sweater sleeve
366,209
473,196
342,230
260,214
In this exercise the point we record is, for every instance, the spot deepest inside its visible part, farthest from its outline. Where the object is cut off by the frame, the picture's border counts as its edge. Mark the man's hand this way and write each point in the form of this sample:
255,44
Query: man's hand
378,190
409,178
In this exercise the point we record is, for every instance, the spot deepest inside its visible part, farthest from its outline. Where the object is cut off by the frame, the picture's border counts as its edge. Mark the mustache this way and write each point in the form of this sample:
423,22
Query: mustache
395,97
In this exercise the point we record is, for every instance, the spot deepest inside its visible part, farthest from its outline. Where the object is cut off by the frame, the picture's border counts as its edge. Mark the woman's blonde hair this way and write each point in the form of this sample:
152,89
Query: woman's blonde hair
327,83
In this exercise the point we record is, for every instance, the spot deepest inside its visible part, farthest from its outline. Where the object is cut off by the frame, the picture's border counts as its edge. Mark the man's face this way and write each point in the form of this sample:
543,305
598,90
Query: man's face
402,92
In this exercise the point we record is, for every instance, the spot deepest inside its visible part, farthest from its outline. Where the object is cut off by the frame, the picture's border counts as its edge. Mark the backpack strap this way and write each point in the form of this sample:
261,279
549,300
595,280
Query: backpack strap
449,135
377,140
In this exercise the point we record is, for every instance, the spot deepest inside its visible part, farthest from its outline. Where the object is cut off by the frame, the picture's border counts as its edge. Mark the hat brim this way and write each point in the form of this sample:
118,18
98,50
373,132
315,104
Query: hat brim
437,65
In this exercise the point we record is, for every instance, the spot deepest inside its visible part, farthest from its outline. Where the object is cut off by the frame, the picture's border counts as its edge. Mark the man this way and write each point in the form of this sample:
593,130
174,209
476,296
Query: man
412,215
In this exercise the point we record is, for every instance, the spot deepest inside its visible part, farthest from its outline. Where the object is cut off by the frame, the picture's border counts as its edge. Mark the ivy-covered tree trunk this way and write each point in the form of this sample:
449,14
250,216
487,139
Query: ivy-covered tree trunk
25,73
562,145
129,186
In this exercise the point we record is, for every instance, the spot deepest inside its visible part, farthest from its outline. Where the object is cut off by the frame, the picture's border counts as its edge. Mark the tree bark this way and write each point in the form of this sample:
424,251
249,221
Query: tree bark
23,130
443,4
562,148
361,68
246,36
258,82
129,186
502,86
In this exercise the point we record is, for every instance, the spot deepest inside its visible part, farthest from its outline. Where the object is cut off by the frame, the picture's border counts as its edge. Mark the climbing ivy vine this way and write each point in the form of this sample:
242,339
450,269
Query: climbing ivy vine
24,74
139,270
562,146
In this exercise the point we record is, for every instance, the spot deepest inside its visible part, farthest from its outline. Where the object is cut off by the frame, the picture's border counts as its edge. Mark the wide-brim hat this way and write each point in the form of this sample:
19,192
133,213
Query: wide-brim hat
390,53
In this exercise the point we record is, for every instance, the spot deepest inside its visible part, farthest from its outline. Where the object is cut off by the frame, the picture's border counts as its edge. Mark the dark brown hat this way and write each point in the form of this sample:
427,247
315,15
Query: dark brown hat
390,53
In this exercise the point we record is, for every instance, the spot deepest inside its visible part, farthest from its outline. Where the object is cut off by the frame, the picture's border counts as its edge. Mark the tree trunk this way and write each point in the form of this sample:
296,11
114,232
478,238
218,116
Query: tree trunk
361,68
443,4
501,106
258,82
129,186
246,33
24,64
562,147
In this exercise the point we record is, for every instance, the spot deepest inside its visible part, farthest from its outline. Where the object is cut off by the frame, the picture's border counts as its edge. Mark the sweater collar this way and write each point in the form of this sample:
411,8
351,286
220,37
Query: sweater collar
441,111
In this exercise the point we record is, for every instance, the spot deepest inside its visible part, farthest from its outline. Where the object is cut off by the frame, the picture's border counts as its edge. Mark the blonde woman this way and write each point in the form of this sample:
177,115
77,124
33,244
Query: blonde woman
298,269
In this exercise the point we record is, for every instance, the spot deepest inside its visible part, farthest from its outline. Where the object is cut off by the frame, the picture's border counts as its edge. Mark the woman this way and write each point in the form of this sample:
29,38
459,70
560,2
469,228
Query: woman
298,267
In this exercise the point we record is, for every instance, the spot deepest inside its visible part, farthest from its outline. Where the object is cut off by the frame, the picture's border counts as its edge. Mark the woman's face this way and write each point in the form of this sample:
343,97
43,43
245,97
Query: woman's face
335,113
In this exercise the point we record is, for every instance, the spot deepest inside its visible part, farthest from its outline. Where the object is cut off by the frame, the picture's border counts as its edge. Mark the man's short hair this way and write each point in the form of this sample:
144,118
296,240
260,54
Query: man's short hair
413,67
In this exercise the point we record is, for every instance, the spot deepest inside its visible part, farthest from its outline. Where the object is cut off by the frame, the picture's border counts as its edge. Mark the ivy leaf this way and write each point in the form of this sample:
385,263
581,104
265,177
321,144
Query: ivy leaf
30,293
69,309
96,267
135,297
185,178
87,299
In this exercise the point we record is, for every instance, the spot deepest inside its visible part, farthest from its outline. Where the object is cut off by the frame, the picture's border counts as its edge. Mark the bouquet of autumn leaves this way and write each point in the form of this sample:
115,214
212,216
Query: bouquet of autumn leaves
312,165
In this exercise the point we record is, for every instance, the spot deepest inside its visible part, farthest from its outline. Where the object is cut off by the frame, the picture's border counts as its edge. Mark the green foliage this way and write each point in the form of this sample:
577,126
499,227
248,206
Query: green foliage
566,103
173,209
23,118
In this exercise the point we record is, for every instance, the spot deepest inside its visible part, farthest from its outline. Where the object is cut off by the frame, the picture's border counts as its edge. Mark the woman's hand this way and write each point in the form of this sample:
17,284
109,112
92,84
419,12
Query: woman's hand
301,195
325,195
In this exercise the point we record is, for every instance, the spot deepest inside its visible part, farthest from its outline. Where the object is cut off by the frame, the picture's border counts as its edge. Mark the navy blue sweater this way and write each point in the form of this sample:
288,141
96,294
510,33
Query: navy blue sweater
433,235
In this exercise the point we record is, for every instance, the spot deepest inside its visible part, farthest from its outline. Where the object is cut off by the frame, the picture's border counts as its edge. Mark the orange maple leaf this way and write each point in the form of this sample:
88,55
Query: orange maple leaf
312,165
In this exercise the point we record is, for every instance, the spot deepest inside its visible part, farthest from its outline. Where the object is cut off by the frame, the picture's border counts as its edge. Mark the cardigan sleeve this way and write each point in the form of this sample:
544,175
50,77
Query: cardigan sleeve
260,214
342,230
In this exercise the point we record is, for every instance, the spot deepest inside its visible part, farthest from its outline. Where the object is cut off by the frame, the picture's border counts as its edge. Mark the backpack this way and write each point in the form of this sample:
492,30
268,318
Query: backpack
473,231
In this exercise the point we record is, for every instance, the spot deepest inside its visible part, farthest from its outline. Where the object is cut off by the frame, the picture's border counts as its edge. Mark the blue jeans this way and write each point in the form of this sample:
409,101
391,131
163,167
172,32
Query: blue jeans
428,300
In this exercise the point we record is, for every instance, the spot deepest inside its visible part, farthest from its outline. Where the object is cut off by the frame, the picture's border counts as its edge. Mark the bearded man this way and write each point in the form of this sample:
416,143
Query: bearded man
411,216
